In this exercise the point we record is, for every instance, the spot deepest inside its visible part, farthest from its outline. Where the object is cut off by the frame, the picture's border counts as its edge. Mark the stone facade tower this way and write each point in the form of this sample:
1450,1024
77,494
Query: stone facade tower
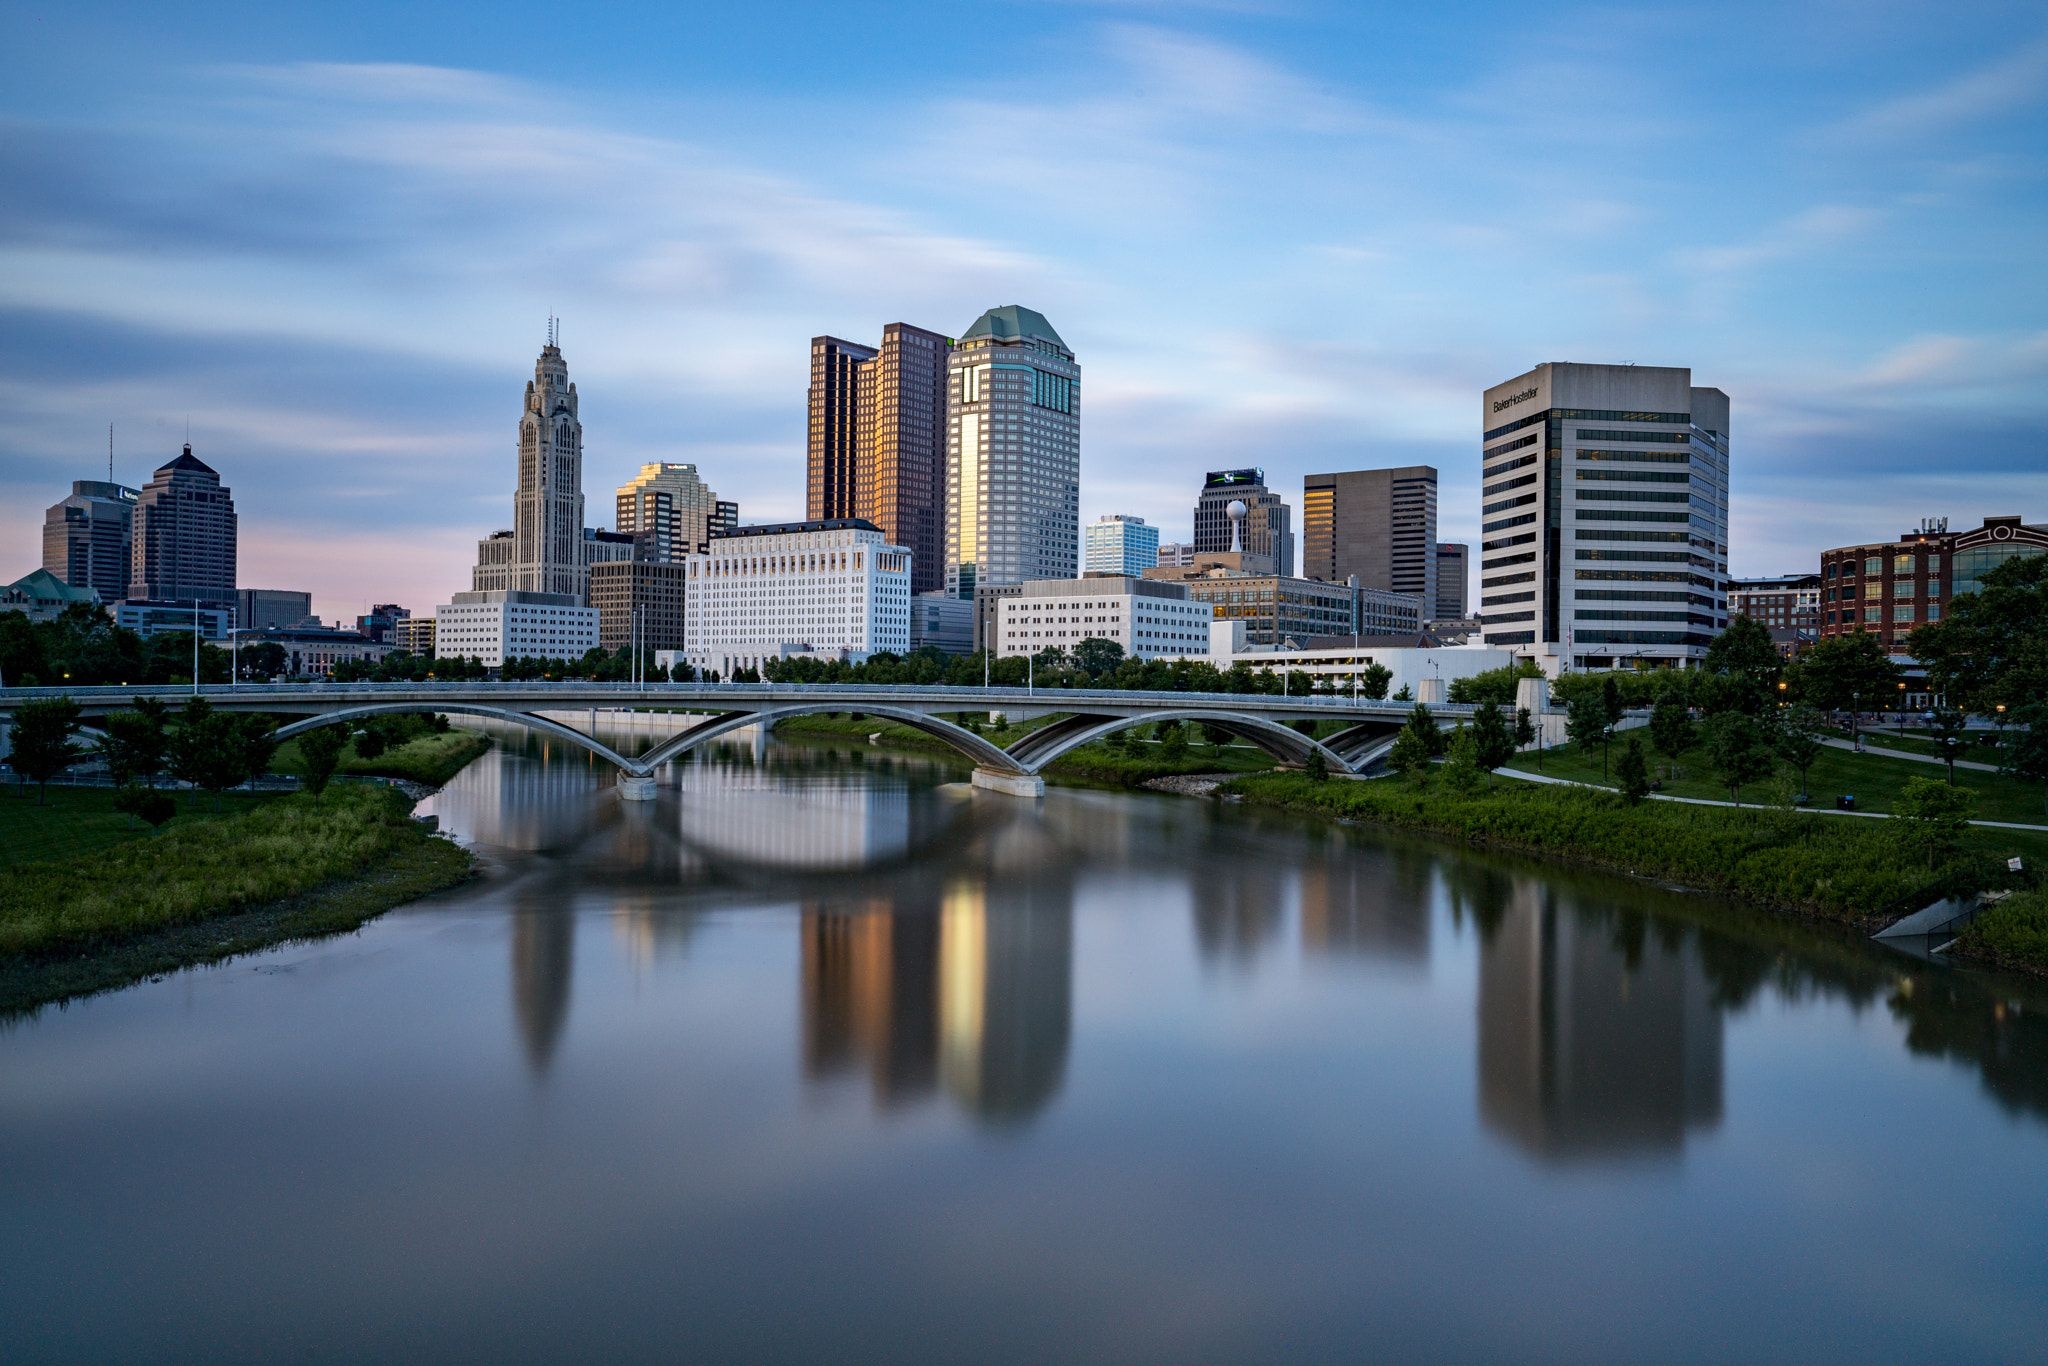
547,526
183,543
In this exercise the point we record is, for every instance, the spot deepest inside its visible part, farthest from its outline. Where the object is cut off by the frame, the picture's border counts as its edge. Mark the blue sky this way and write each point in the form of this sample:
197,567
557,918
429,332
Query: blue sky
1291,235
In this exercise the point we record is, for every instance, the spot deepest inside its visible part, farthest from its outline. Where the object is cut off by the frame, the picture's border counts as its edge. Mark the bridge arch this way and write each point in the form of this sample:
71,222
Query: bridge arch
1283,742
984,753
536,723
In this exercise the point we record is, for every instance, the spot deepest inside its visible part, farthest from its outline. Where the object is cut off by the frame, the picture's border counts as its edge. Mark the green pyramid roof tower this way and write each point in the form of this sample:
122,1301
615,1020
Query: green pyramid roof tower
1012,322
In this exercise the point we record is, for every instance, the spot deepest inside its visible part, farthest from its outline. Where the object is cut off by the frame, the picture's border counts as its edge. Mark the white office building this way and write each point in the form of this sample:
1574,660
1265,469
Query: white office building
509,623
836,589
1117,544
1013,454
1148,618
1422,671
1604,517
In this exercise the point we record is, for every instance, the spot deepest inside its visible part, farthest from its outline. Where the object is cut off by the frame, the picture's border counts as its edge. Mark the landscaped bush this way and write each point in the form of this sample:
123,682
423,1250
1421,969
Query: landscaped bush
2014,932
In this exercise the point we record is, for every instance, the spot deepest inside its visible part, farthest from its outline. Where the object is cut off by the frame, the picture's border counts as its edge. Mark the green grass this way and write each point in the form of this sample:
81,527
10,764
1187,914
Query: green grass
2014,933
278,850
1914,743
79,821
1855,872
1874,779
429,759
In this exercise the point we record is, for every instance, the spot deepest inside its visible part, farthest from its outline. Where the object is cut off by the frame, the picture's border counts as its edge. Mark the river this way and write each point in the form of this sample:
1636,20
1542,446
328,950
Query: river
823,1056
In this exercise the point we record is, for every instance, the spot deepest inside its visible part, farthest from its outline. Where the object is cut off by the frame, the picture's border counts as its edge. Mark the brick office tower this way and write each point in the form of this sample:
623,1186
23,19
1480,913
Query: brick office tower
877,440
184,538
1377,524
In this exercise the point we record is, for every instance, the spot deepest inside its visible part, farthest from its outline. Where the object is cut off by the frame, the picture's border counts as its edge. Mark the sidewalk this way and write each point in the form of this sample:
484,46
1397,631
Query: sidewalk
1908,754
1752,806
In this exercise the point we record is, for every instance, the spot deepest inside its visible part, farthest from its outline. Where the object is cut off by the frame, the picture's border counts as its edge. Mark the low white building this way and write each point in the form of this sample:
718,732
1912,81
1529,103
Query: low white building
1149,618
509,623
1421,669
834,589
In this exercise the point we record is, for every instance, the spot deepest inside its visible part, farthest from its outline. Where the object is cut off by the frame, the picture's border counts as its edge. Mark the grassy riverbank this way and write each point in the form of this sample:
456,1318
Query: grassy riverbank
430,759
282,869
2013,934
74,822
1855,872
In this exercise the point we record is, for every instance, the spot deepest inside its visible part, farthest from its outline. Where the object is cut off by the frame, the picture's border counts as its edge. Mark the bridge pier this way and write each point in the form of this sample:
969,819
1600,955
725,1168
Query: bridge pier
1009,784
635,787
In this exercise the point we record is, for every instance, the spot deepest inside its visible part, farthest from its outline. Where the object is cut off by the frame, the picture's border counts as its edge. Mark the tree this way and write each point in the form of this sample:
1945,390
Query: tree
1842,673
1991,646
1097,657
372,743
1418,743
1374,680
1407,694
42,741
264,659
1610,700
1424,728
1494,685
1632,772
1173,741
1797,740
1586,722
1671,728
1215,735
1462,773
1740,750
2024,752
1493,743
214,750
321,750
1949,726
147,805
1746,665
1934,815
135,744
1317,767
1525,732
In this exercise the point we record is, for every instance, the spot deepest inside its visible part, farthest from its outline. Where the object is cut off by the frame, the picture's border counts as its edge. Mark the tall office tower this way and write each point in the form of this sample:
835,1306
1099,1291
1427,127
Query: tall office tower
725,519
1268,526
547,507
1377,524
264,609
1013,454
184,545
1453,575
1604,517
88,537
877,439
668,511
1117,544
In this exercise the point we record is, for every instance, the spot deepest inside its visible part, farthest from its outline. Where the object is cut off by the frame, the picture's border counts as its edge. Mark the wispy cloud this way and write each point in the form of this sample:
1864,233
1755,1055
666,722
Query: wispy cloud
2015,81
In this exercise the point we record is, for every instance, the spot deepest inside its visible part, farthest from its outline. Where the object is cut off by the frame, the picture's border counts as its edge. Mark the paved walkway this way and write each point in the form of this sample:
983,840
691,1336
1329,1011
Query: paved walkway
1752,806
1909,754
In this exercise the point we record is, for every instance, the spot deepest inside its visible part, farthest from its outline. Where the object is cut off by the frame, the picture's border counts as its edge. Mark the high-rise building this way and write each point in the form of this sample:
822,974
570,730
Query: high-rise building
1453,576
639,600
184,546
1377,524
1117,544
1013,453
88,538
547,520
263,609
877,439
669,511
1604,517
1264,535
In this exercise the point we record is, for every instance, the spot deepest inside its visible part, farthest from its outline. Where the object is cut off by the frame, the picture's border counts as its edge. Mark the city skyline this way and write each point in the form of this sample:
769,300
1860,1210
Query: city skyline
235,233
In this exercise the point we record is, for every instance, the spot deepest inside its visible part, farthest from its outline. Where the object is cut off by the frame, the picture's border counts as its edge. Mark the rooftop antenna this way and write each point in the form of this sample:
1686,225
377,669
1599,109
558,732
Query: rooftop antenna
110,452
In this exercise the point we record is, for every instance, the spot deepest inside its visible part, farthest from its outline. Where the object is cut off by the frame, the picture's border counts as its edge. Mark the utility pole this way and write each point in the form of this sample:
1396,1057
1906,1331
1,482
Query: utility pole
195,645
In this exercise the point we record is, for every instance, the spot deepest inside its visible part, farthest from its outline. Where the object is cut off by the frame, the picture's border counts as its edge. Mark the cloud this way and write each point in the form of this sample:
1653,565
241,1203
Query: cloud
1810,230
2016,81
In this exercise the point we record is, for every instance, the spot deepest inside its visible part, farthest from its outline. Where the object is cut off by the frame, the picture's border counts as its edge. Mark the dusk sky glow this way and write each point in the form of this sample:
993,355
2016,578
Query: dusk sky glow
1298,236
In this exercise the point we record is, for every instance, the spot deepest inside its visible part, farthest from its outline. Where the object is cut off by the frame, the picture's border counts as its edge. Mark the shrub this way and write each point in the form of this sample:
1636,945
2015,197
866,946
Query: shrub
1632,773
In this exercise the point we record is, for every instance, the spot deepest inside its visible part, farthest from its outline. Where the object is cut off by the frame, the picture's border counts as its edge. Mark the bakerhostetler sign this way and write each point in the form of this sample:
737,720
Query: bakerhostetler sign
1219,479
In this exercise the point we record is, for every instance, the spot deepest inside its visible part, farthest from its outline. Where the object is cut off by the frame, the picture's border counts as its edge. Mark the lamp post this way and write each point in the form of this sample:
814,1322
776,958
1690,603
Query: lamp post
1902,709
1781,693
2000,710
195,647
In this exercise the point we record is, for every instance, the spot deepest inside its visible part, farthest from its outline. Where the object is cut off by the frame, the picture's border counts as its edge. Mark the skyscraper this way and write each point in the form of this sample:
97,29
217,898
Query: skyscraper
877,432
1604,517
1013,454
1377,524
547,521
88,538
669,511
1268,528
1117,544
1453,579
184,542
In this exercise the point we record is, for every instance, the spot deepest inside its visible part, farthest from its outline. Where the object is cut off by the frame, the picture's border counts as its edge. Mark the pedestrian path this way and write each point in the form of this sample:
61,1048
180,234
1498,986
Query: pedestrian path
1909,754
1753,806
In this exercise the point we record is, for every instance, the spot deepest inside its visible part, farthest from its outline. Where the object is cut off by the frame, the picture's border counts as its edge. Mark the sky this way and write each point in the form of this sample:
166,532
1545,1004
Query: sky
326,240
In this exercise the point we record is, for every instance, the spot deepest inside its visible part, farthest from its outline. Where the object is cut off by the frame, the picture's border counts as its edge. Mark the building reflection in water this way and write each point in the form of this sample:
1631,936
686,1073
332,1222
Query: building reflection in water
1369,907
543,956
1239,908
1599,1038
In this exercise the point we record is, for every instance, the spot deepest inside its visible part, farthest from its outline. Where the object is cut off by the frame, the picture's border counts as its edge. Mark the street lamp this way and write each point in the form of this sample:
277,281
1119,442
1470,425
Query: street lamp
1781,692
1902,709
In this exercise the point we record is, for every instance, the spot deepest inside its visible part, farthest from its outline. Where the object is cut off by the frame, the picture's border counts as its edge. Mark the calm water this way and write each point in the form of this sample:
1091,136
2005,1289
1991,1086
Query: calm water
816,1059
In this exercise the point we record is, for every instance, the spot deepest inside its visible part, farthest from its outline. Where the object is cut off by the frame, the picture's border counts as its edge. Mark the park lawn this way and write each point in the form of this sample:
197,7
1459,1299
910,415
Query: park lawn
430,759
1914,742
76,822
1874,779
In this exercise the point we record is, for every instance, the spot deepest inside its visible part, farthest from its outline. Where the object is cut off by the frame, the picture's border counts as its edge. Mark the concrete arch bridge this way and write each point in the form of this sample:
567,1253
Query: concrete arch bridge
1082,715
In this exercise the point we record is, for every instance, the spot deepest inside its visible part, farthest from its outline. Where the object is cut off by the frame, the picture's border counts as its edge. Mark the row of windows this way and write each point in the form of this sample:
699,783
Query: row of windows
1504,599
1635,476
1641,575
1524,539
1508,580
1622,515
1590,415
1493,490
1622,595
1505,618
1507,522
1491,471
1526,557
1668,556
1630,496
1491,451
1504,504
1643,457
1667,438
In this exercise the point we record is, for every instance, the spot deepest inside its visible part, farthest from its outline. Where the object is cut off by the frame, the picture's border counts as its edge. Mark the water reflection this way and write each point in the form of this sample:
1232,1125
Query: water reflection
1597,1039
543,956
1368,908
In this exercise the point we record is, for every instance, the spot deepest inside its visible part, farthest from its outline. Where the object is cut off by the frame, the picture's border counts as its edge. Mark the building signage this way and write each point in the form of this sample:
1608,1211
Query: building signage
1511,400
1228,478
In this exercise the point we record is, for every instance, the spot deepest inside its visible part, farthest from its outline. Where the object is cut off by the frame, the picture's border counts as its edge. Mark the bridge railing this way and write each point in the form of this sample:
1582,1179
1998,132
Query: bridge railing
572,690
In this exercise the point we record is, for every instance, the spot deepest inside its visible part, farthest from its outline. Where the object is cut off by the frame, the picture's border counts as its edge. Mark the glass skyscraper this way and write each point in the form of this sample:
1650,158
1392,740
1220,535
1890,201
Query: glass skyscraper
1013,454
1117,544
